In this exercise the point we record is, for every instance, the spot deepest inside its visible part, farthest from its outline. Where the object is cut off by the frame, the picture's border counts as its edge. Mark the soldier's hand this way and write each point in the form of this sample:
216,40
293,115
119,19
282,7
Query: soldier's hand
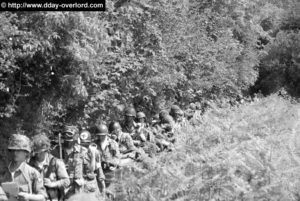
23,196
48,183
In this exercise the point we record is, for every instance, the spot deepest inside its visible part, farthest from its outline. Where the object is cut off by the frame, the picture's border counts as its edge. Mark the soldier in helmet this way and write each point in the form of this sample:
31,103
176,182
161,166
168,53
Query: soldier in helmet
109,152
155,120
28,180
176,113
92,169
189,113
73,156
129,125
164,131
125,142
52,169
124,139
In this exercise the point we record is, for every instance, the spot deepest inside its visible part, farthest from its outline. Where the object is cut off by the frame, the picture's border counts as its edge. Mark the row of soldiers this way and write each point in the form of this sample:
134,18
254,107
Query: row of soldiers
84,161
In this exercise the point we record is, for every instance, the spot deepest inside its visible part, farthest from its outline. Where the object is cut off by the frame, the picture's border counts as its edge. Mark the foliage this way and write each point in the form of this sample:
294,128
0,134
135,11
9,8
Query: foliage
85,67
246,153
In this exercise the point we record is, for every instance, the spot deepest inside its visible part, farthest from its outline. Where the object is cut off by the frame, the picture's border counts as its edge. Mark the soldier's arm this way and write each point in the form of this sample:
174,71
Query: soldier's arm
129,143
63,180
38,189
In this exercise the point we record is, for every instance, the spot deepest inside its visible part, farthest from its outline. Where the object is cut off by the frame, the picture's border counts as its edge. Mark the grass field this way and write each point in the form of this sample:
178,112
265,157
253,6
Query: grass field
249,152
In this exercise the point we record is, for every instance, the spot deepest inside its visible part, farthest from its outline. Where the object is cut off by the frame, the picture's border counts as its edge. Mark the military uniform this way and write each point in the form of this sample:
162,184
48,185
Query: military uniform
74,162
27,178
50,168
129,126
92,169
53,169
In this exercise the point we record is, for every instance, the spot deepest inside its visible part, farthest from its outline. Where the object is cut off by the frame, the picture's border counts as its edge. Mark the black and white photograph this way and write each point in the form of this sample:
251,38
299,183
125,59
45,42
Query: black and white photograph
150,100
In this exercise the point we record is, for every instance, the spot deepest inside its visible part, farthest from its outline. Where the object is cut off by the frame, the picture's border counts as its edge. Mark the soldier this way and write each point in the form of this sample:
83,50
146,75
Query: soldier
141,119
92,165
28,180
129,126
189,113
109,152
155,120
73,156
164,132
176,113
52,169
126,146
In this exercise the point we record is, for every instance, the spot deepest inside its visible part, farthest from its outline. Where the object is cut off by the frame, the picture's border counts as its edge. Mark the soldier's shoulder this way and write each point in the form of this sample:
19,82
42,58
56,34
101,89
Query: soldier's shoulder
33,173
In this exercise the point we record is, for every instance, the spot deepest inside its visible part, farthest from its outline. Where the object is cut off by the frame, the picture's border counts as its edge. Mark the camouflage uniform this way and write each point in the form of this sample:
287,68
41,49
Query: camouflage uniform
53,168
74,161
28,179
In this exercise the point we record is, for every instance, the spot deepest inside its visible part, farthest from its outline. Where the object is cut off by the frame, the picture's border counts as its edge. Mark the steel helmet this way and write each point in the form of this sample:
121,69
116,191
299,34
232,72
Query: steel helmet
114,126
19,142
101,130
163,113
192,106
70,133
167,119
85,136
40,143
140,115
130,111
174,109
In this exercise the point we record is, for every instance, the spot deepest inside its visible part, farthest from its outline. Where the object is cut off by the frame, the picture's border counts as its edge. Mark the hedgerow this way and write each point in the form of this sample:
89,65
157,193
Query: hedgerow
244,153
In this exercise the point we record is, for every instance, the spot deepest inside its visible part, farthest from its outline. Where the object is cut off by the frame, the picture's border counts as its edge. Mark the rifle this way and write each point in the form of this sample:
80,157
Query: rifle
60,146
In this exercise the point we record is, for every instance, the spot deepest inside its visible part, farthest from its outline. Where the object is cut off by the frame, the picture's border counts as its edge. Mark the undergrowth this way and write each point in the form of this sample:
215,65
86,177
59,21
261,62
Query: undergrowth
248,152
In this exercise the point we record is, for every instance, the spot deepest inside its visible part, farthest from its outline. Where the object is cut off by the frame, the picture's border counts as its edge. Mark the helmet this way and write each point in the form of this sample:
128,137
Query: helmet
19,142
155,117
192,106
114,126
101,129
163,113
174,109
130,111
167,119
40,143
140,115
70,133
85,136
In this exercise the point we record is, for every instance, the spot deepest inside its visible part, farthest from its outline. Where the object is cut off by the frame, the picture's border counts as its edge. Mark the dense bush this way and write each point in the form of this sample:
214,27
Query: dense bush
245,153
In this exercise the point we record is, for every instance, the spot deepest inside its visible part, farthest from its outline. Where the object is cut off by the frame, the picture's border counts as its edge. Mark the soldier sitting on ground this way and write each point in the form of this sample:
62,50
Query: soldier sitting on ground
124,140
164,131
26,179
52,169
129,125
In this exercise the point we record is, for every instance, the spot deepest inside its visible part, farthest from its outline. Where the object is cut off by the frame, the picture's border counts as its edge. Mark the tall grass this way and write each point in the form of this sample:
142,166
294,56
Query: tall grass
244,153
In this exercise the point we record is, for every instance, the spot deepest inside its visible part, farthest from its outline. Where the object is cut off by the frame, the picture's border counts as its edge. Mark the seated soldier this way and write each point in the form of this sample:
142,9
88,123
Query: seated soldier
176,113
26,178
164,132
129,125
124,140
52,169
